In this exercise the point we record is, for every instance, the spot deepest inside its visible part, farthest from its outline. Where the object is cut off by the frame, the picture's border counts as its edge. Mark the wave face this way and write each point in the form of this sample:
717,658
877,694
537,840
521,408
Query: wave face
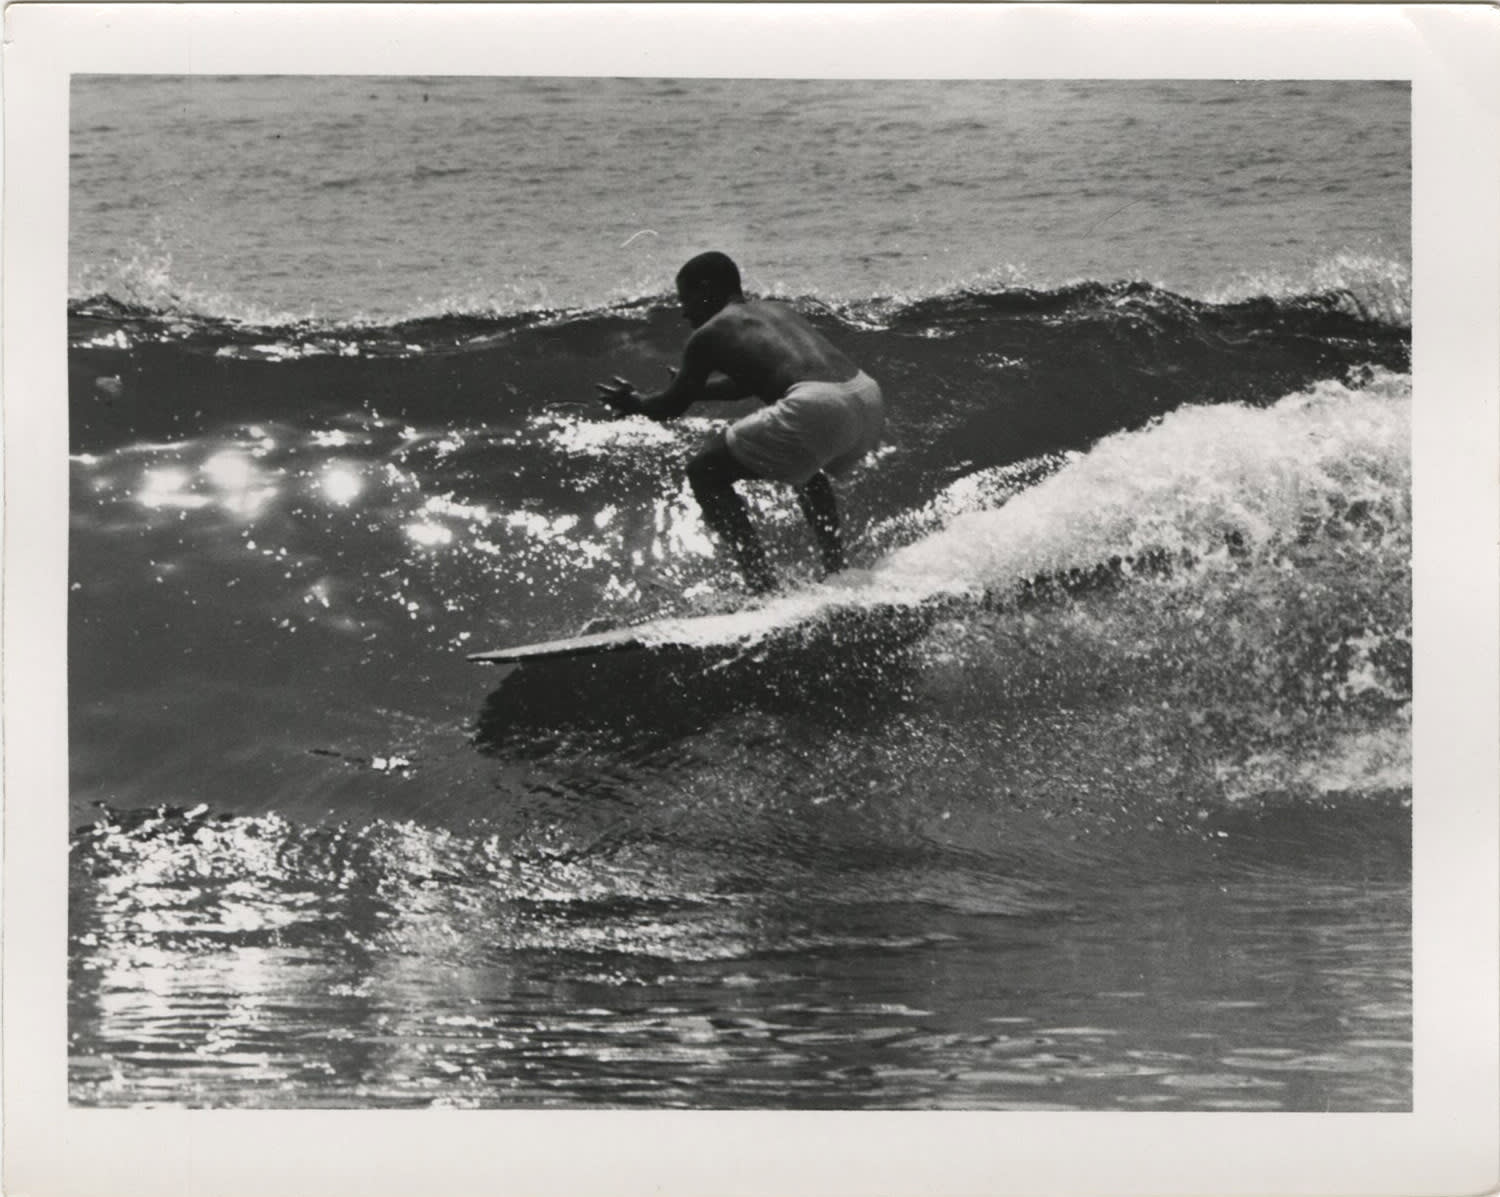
1062,367
1089,788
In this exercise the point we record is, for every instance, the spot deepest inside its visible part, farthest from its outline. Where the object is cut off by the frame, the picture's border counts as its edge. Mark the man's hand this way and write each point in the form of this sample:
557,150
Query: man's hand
621,395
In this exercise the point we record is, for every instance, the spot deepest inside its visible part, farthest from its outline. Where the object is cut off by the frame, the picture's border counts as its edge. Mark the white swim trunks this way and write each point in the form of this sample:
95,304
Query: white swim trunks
814,426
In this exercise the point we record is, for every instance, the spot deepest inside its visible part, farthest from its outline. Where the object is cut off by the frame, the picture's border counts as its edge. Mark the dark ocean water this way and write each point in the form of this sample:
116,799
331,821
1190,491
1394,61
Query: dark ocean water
1088,787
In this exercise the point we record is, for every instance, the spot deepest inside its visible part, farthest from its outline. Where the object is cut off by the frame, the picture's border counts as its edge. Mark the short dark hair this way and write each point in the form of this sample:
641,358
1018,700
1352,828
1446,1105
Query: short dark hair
713,270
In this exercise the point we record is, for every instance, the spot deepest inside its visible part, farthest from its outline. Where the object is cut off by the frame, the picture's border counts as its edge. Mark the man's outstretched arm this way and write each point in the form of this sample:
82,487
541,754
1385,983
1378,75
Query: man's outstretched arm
688,386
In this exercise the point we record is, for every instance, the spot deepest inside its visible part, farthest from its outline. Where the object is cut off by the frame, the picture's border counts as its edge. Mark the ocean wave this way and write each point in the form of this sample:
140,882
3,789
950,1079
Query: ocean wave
1373,286
162,315
1369,284
1224,482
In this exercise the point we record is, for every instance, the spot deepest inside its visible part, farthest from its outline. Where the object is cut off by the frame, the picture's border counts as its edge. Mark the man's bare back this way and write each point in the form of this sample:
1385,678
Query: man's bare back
767,348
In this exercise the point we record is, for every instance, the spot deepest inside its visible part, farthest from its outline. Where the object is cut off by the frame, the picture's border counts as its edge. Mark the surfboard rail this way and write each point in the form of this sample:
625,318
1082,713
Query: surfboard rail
590,644
720,633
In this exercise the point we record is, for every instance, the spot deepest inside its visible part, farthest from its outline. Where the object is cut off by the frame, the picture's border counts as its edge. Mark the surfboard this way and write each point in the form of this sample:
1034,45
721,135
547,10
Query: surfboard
721,631
612,641
726,633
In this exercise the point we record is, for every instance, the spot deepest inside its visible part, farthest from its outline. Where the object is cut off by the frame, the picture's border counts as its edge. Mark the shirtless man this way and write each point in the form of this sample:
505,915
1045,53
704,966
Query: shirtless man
821,413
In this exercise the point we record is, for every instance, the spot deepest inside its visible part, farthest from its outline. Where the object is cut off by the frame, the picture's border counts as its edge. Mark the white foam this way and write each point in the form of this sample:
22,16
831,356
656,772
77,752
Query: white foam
1379,285
1185,483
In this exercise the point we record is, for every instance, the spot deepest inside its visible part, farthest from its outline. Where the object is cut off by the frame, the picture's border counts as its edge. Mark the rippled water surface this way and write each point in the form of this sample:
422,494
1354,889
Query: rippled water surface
453,973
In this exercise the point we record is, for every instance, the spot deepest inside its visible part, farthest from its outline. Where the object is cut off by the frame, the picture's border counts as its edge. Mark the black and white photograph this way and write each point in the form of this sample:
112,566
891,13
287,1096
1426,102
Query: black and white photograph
680,590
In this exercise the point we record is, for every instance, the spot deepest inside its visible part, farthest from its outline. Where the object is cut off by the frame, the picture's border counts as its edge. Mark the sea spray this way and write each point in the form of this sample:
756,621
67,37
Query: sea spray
1201,481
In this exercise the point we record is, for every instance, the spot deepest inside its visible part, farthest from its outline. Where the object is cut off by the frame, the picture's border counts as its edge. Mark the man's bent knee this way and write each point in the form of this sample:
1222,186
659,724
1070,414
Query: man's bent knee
707,482
714,468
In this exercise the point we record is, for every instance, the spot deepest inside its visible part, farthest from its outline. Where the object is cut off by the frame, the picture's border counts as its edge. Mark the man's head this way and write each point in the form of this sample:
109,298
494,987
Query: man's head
706,284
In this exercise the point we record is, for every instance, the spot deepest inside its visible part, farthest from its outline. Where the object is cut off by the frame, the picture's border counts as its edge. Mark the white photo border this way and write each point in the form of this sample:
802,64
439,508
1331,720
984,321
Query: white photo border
1448,1143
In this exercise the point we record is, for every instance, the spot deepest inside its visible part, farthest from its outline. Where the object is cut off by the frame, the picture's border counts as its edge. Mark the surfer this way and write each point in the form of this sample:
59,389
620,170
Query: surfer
821,413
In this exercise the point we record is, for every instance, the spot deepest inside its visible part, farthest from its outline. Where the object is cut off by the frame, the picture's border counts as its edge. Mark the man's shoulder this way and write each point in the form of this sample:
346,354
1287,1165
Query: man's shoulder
761,314
728,323
715,337
746,310
751,319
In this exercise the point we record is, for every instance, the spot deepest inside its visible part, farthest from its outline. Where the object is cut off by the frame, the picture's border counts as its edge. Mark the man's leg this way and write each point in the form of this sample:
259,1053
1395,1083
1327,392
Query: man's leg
712,474
822,511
